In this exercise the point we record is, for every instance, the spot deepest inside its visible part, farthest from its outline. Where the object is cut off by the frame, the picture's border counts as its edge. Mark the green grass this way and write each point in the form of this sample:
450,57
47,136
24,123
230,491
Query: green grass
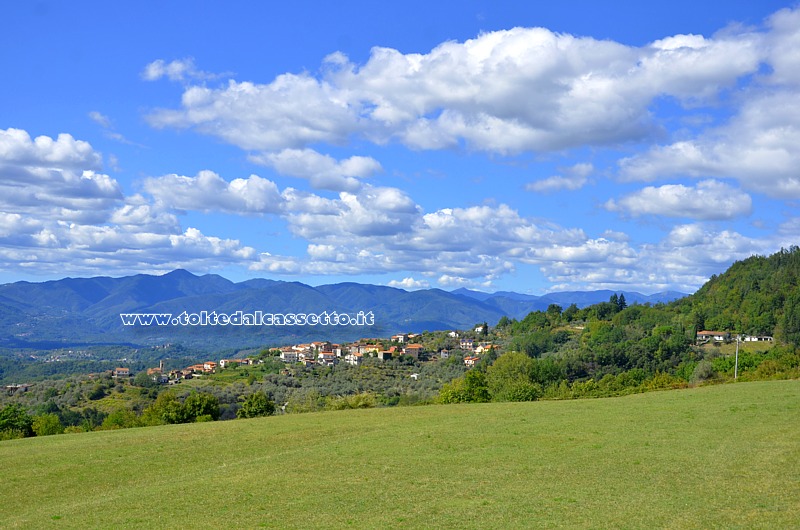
729,348
725,456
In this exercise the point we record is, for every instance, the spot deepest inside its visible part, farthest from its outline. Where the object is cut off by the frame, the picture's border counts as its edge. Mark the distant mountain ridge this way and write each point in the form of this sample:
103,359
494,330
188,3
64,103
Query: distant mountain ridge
86,310
565,298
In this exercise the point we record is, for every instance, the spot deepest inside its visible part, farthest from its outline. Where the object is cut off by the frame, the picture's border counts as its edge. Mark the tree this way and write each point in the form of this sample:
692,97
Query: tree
202,404
454,392
614,301
570,312
554,313
47,424
121,419
166,409
255,405
468,389
145,381
475,383
622,303
791,319
14,421
509,378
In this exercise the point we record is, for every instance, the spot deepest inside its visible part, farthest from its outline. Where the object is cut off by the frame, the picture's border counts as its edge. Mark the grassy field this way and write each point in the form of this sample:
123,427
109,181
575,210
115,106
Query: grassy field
724,456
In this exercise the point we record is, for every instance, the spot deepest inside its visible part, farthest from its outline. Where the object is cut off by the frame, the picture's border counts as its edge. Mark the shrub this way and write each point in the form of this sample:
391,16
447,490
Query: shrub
703,372
47,424
255,405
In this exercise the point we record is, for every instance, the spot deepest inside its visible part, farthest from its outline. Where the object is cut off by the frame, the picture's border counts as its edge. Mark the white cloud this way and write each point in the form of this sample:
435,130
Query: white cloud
410,284
209,192
373,211
59,214
17,149
137,215
576,178
682,260
760,147
709,200
322,171
53,179
503,91
108,129
100,119
176,70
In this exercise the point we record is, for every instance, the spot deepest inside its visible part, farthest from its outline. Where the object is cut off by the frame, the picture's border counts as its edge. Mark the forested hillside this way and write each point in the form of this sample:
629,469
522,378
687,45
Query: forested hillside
756,296
612,347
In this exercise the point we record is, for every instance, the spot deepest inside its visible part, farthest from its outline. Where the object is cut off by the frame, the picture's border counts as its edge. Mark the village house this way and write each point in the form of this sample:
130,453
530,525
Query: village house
453,334
414,350
227,363
757,338
121,373
209,366
326,358
466,344
469,362
717,336
400,338
289,356
354,359
13,389
323,346
384,355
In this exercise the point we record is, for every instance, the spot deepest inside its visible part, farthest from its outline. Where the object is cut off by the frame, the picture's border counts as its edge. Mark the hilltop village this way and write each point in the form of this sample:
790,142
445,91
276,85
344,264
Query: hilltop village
407,346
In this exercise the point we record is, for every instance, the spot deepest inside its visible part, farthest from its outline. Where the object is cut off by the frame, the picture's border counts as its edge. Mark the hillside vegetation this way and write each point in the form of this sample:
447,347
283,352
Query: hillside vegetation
606,349
757,296
723,456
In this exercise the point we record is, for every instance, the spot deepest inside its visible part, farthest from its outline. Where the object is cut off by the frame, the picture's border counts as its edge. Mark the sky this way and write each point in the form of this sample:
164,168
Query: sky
523,146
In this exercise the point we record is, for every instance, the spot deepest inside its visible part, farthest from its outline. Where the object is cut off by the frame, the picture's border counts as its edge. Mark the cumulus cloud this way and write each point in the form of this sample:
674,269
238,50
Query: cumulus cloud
210,192
503,91
82,218
410,284
55,179
684,259
760,147
574,178
322,171
17,149
57,208
709,200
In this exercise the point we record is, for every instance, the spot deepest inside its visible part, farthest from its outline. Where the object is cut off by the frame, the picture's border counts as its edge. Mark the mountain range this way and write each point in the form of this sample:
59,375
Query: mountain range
87,310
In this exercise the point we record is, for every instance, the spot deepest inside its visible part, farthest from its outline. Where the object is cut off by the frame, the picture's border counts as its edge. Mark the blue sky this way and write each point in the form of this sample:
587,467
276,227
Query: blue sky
522,146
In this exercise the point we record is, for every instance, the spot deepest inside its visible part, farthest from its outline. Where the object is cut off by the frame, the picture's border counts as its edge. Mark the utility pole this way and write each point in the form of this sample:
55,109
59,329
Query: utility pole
736,364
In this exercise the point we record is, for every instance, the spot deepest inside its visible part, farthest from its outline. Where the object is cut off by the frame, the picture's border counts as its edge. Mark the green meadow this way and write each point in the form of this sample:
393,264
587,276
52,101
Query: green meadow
725,456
